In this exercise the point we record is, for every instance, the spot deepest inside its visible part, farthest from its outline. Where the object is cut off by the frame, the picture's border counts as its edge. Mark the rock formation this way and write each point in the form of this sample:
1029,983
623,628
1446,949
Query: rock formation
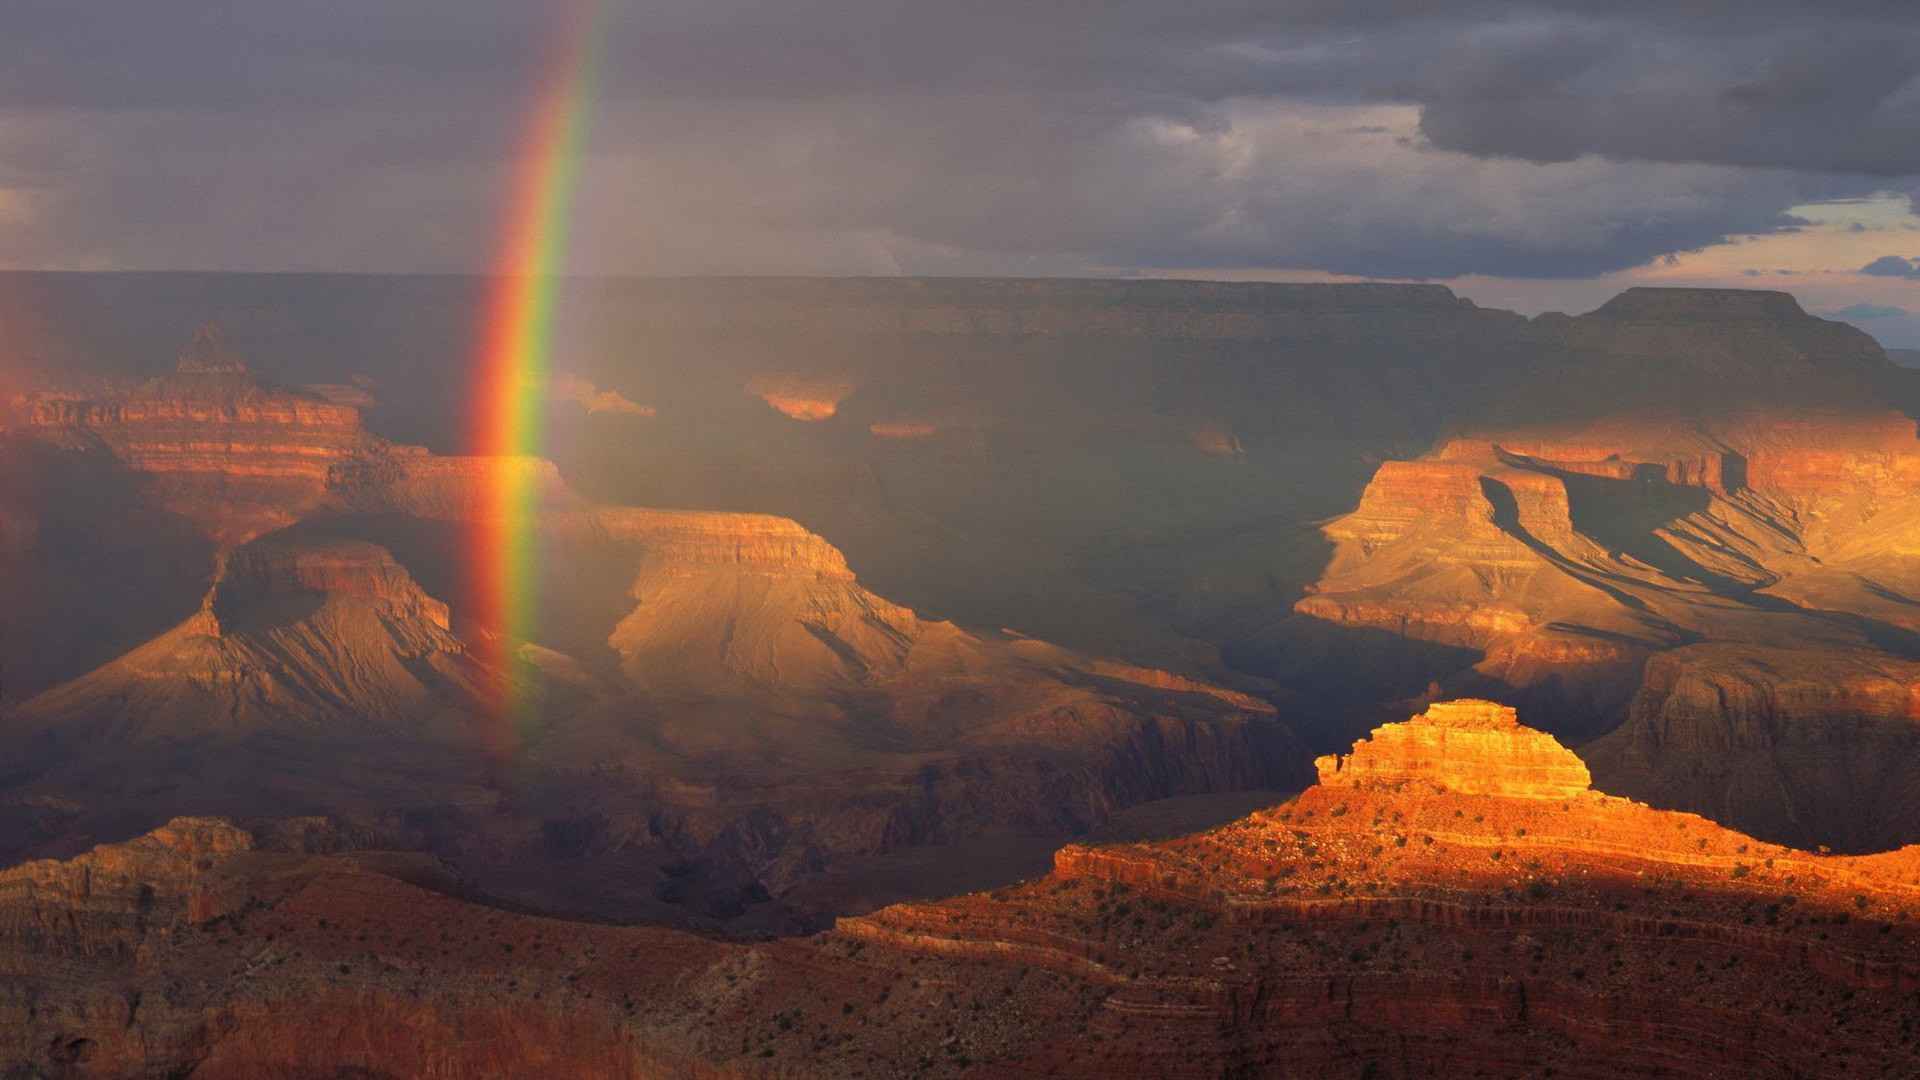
238,458
318,634
1391,926
721,709
1469,747
1818,745
1450,899
1703,484
1600,519
800,396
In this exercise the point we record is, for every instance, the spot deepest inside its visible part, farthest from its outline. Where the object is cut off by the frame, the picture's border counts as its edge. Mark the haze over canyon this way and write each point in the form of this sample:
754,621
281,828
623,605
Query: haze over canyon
1021,667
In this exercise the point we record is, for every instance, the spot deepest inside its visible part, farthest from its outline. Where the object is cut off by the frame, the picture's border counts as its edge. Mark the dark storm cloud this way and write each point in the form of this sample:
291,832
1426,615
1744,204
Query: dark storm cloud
1819,93
1384,137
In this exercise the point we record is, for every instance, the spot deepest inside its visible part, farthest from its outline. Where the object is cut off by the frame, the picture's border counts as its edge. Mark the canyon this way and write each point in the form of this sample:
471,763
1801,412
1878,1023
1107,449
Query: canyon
1450,898
1270,488
1708,587
922,674
722,713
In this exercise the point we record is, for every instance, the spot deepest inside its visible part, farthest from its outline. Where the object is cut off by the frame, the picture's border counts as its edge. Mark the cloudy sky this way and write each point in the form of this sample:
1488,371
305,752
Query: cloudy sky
1533,154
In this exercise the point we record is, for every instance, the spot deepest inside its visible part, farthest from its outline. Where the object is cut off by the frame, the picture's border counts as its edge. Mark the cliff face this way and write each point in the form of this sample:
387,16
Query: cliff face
200,948
1120,462
715,706
1471,747
1704,478
237,458
1450,899
1448,551
755,602
723,711
1381,924
1809,745
285,567
101,904
693,541
1695,353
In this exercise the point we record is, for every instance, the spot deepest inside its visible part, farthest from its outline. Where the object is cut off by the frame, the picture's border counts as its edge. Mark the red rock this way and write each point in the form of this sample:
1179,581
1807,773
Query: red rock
801,397
1470,747
1401,926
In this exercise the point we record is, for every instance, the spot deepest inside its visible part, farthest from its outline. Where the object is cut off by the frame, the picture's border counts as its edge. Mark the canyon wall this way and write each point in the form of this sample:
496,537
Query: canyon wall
1392,926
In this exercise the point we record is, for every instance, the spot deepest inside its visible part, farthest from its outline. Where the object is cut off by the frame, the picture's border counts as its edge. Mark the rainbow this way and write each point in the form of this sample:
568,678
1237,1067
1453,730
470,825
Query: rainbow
508,409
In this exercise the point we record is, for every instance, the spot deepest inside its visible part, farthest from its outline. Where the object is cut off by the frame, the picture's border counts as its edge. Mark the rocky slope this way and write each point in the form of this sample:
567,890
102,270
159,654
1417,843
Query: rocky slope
211,443
1708,504
1383,923
1041,454
1136,469
723,713
1822,744
1450,899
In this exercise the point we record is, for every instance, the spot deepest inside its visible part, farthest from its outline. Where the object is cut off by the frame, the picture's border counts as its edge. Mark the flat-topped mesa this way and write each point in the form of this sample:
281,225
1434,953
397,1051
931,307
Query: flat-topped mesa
1470,747
1704,354
1474,505
688,541
1652,303
1405,493
277,569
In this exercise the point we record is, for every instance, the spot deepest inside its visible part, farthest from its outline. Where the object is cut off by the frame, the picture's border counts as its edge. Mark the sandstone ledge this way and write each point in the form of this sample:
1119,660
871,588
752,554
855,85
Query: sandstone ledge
1470,747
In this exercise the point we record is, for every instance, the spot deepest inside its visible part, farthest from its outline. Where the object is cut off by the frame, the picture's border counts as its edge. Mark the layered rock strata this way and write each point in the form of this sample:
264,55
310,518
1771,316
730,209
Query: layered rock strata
1382,924
1706,482
713,704
1470,747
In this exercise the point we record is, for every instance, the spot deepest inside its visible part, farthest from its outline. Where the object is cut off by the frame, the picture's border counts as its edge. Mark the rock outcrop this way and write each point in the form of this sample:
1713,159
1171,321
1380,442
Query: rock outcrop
1393,928
800,396
219,448
1703,481
1470,747
1412,922
714,703
1812,746
314,638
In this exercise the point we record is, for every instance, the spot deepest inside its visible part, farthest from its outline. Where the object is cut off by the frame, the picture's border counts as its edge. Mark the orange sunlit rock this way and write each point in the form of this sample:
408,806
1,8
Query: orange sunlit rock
801,397
1423,916
1472,747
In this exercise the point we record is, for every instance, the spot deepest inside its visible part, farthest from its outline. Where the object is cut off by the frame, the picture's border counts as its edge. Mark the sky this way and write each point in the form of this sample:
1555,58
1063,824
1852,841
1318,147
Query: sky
1533,154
